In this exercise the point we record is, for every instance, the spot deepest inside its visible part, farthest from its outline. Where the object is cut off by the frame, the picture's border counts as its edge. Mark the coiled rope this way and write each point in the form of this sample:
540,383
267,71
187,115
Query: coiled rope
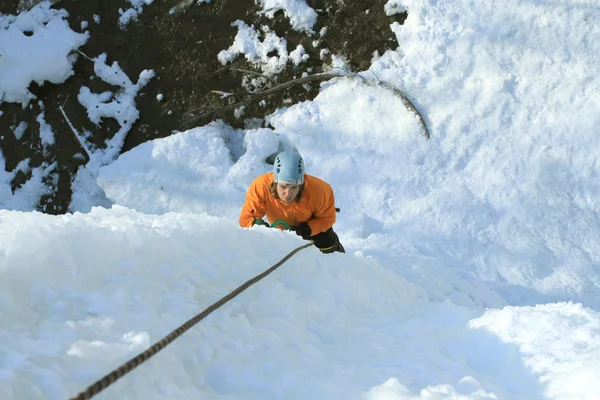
110,378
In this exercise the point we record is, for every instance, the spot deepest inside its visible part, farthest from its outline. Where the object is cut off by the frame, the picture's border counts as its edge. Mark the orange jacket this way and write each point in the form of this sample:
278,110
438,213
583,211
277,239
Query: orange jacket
317,206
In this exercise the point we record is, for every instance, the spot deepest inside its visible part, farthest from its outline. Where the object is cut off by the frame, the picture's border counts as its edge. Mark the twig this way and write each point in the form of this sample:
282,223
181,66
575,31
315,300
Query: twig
76,133
222,94
247,71
68,94
373,72
85,55
225,68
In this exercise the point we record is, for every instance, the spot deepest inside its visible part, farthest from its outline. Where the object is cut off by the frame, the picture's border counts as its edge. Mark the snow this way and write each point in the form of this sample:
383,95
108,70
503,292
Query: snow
194,164
393,7
20,130
302,17
472,258
34,46
28,195
574,373
298,55
119,106
248,43
46,133
132,14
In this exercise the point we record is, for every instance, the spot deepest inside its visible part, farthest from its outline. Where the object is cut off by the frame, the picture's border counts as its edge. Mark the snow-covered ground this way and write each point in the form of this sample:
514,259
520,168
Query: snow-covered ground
472,264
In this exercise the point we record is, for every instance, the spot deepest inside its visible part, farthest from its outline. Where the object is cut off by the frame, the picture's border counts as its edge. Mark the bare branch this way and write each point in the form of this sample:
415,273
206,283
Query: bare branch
310,78
79,138
68,94
85,55
222,94
193,116
225,68
207,110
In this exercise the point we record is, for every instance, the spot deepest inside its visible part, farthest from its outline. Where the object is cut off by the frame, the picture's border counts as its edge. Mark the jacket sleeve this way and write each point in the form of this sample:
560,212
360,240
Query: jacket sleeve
254,207
324,214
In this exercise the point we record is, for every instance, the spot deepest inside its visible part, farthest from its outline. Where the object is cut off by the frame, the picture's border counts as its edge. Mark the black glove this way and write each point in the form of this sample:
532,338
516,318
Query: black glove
303,230
259,221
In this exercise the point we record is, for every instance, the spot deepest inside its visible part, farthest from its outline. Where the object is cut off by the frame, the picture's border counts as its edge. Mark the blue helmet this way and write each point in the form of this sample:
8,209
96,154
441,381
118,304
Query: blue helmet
289,168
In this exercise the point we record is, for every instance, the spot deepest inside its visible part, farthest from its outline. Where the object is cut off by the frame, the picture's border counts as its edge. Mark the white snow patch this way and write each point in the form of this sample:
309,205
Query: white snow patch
299,55
20,129
393,7
132,14
35,47
119,106
247,42
46,133
302,17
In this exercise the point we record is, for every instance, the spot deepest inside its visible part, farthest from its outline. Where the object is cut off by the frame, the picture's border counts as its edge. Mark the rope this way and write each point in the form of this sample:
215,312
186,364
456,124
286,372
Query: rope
107,380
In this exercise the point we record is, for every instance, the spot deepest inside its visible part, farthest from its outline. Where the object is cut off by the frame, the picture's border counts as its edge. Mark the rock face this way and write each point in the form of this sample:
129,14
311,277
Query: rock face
190,47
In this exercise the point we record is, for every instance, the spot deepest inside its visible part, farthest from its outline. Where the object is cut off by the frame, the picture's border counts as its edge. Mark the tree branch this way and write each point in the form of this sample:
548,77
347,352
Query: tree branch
191,117
85,55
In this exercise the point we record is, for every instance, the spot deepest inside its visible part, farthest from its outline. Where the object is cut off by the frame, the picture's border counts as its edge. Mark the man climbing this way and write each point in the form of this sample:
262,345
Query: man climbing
304,202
